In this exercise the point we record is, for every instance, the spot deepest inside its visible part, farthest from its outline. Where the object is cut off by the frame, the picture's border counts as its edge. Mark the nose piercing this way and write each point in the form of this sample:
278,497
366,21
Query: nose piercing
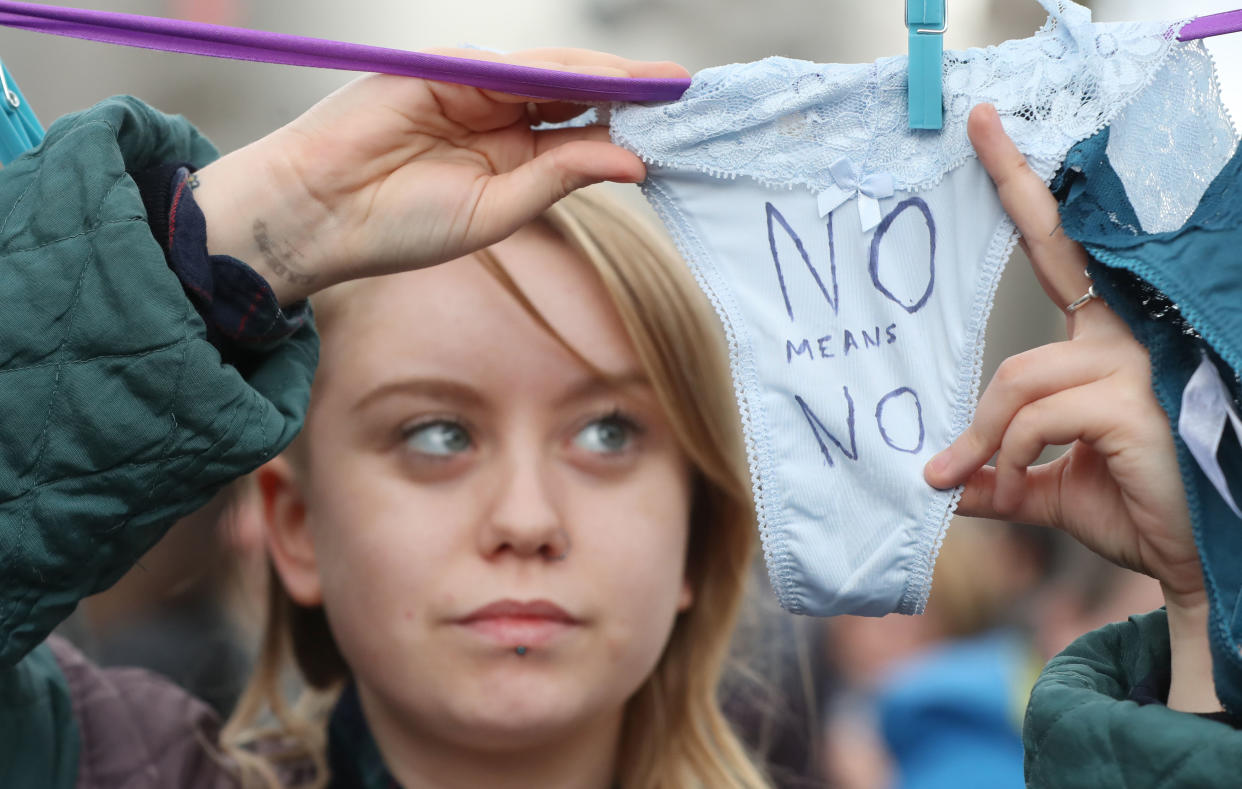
520,651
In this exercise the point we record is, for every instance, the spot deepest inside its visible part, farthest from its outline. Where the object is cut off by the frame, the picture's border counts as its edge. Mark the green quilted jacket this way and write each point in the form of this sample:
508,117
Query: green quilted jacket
117,416
1082,733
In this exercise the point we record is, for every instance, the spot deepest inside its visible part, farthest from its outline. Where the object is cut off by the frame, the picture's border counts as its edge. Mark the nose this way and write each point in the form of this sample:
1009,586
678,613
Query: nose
524,519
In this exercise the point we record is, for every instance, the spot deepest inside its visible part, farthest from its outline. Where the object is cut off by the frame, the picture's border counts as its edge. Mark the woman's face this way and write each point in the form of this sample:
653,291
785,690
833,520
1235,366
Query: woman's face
474,492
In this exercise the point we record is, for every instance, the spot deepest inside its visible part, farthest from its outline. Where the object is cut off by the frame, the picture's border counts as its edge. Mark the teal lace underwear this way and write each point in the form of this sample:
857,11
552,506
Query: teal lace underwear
1180,290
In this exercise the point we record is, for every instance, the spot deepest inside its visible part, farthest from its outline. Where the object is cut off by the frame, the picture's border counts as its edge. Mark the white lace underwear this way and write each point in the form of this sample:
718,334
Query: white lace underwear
853,263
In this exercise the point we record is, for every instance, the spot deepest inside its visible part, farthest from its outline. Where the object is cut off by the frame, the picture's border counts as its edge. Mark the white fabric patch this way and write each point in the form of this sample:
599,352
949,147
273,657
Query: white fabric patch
1207,411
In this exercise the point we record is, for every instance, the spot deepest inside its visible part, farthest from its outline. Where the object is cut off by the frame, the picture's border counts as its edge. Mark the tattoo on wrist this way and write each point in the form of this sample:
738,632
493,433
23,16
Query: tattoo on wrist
280,257
192,181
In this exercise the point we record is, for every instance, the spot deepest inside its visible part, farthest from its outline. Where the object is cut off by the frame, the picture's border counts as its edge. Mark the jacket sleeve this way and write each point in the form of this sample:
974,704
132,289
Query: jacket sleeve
1082,731
40,741
119,416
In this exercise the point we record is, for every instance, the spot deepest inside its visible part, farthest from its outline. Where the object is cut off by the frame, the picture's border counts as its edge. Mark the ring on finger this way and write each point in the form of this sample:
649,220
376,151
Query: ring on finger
1082,300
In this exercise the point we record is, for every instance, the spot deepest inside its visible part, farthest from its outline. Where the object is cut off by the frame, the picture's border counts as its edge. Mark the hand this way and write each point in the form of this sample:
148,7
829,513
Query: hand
393,173
1118,489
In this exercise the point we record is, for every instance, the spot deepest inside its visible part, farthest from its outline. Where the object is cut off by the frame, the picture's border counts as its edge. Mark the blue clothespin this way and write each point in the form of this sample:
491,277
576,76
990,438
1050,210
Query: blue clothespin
926,22
19,129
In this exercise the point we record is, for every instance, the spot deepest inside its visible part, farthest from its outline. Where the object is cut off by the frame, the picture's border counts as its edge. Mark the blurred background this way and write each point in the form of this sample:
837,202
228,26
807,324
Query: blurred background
932,701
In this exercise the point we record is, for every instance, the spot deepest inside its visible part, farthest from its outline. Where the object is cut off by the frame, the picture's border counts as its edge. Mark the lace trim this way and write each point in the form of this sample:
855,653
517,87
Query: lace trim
769,509
786,122
966,395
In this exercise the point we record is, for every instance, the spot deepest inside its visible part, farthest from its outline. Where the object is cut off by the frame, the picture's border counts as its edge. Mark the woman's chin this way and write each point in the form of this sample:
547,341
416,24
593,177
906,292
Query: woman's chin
524,705
508,722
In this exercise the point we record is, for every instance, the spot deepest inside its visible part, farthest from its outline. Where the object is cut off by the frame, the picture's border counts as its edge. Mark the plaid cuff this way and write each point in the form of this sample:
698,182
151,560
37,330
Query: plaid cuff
235,302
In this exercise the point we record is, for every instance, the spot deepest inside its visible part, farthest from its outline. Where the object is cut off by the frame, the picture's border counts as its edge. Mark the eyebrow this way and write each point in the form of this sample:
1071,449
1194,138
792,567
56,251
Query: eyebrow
596,385
444,389
435,388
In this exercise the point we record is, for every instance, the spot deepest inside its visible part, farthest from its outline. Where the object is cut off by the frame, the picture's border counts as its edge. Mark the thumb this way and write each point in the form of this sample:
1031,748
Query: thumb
512,199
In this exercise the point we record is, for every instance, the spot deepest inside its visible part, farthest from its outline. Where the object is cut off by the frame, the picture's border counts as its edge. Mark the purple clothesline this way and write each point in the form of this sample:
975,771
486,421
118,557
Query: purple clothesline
1212,25
198,38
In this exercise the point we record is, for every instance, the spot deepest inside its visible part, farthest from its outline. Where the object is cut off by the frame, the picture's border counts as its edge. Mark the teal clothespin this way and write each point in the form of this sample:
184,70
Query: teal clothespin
19,130
926,22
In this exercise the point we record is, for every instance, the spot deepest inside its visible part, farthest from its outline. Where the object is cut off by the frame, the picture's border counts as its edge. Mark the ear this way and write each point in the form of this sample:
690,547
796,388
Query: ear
288,536
686,598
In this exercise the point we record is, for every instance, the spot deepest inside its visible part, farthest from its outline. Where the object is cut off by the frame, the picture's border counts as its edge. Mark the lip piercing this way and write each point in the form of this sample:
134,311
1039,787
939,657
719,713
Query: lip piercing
520,651
564,553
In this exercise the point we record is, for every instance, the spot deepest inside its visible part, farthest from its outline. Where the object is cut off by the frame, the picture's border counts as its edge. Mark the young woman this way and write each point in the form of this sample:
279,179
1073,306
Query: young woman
517,523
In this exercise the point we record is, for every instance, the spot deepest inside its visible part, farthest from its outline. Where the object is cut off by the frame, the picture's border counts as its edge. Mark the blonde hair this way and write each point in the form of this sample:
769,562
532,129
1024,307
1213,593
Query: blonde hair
674,733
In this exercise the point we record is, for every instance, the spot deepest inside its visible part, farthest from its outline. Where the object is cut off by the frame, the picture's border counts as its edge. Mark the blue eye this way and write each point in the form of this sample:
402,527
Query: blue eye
609,435
440,438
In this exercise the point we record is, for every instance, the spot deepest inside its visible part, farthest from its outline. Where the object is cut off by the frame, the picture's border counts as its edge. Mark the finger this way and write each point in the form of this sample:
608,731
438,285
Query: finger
590,69
578,61
553,111
481,110
553,138
512,199
574,59
1085,414
1021,379
1059,263
1037,505
484,111
505,97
